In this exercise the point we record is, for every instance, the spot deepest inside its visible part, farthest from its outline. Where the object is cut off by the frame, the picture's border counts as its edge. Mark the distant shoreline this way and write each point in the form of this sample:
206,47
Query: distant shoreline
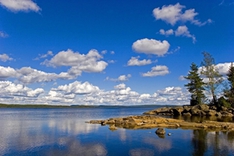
72,106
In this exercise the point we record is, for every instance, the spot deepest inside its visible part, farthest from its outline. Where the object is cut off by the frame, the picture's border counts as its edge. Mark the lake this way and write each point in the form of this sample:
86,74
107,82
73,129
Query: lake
63,131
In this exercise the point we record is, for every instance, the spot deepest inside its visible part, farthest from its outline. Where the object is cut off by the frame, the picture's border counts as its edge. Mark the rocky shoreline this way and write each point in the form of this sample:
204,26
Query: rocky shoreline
151,119
198,110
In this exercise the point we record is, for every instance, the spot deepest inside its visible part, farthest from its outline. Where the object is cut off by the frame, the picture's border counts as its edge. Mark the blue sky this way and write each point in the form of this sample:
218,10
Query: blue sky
108,52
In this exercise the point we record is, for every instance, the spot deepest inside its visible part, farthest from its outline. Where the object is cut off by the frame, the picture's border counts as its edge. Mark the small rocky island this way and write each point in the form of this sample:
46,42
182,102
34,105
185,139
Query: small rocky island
151,119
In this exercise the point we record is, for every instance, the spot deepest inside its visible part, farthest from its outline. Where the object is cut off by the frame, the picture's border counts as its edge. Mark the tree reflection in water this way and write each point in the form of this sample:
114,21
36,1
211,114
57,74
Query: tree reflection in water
212,143
199,142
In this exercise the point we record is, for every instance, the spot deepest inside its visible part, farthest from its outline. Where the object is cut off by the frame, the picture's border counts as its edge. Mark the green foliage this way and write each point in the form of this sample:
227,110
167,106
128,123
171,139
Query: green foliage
229,93
214,79
223,102
195,86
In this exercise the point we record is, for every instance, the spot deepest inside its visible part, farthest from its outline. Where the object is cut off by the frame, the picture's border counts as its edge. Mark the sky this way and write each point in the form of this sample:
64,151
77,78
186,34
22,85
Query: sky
109,52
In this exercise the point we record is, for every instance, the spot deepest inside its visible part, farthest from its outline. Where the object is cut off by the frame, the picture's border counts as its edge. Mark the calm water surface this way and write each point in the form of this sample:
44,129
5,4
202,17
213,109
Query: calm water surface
64,132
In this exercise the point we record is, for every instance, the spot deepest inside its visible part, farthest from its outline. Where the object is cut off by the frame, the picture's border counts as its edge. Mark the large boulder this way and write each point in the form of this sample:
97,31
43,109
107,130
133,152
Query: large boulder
160,131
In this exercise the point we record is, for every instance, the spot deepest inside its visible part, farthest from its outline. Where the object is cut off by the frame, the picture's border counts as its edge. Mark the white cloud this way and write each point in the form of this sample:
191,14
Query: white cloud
77,88
20,5
158,70
86,93
29,75
222,68
3,35
183,31
49,53
180,31
151,46
5,57
124,77
7,72
12,90
123,95
68,93
167,33
174,13
134,61
79,62
121,78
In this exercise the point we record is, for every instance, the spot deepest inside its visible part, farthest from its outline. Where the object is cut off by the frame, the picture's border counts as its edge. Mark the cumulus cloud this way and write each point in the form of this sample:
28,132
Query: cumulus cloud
10,90
223,68
20,5
134,61
29,75
77,88
5,57
78,62
158,70
86,93
7,72
174,13
180,31
67,93
123,95
121,78
151,46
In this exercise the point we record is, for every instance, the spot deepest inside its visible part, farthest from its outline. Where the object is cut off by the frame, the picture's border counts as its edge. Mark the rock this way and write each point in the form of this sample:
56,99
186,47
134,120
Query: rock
201,107
213,107
224,108
211,113
177,110
218,114
169,134
162,110
226,114
160,131
187,109
195,111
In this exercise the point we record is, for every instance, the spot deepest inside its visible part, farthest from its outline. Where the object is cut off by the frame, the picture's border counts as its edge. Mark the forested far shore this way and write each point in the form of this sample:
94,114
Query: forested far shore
41,106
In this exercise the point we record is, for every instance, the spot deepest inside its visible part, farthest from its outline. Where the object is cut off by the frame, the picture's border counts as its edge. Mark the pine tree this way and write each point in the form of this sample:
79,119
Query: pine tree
214,79
230,93
195,86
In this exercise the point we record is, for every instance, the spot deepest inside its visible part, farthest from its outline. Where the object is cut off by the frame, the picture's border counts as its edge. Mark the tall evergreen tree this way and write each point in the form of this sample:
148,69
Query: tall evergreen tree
214,79
230,92
195,86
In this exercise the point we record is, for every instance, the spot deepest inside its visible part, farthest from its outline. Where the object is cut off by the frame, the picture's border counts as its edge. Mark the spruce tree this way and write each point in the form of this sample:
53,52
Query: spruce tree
195,86
230,93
